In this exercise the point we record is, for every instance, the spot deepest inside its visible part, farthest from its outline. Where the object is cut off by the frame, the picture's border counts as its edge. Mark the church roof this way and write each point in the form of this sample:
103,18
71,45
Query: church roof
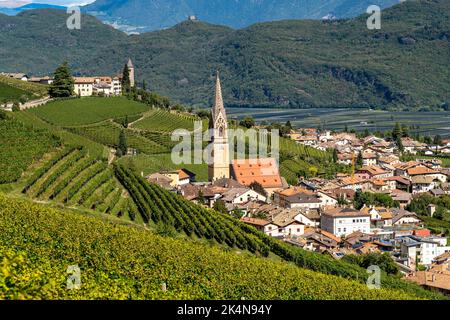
130,64
264,171
218,107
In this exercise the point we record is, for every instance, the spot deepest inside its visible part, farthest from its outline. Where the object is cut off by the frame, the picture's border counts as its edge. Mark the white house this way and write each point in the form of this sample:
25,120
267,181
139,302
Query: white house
422,250
327,199
344,221
242,195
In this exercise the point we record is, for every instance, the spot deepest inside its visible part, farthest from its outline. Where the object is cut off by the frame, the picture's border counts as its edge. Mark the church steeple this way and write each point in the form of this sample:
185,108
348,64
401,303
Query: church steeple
219,166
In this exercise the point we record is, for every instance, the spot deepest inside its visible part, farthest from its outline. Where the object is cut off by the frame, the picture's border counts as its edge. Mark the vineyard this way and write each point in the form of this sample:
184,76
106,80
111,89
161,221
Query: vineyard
82,111
166,122
21,145
123,262
13,89
72,178
160,206
107,133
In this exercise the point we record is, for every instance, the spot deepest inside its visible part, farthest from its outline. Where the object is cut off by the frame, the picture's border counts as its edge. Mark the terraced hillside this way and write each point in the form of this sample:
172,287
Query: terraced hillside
122,262
166,122
13,90
162,207
73,178
20,146
75,112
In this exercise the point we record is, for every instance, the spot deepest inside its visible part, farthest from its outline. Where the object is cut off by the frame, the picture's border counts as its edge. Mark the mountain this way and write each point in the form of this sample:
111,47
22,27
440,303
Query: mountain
30,6
149,15
287,63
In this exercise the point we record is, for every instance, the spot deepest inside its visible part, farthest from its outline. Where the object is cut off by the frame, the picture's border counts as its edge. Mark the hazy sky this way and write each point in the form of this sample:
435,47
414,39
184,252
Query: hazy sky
17,3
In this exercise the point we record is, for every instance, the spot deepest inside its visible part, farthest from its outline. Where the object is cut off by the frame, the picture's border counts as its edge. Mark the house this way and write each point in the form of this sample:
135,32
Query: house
17,76
404,217
372,171
300,200
286,220
422,184
398,182
422,250
344,221
412,146
161,180
84,86
264,171
369,159
308,217
241,195
404,198
435,281
327,199
319,240
264,226
353,183
422,170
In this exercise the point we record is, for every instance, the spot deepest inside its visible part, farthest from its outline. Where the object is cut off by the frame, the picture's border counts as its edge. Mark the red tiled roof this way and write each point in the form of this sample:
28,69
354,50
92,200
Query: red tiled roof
264,171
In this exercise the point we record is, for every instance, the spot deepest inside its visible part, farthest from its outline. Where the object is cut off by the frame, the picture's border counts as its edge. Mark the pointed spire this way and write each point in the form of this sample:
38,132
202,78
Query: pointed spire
130,64
218,102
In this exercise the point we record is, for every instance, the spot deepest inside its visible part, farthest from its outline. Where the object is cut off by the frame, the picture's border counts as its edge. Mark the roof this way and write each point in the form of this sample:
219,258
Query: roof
84,80
233,193
293,191
130,63
398,179
264,171
372,170
351,180
254,221
420,171
431,279
437,192
227,183
303,198
344,212
422,179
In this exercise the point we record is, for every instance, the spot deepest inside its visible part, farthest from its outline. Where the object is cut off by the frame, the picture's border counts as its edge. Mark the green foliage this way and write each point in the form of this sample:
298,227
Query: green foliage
219,206
122,147
256,186
12,89
63,83
248,122
309,63
373,199
383,261
121,262
21,145
126,84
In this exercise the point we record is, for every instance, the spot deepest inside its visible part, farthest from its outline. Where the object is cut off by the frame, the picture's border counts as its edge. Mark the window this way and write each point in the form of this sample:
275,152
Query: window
298,229
345,229
280,230
269,228
339,229
354,220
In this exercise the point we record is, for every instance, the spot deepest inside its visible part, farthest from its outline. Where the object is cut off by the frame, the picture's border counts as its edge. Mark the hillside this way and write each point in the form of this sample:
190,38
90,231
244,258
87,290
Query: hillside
307,64
123,262
15,90
73,178
144,15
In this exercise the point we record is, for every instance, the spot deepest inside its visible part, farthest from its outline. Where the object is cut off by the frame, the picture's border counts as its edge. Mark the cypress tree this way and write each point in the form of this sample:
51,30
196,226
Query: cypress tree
63,82
126,83
122,145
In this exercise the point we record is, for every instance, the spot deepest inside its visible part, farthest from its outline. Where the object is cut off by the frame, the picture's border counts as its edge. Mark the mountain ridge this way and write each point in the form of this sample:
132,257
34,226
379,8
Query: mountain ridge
153,15
286,63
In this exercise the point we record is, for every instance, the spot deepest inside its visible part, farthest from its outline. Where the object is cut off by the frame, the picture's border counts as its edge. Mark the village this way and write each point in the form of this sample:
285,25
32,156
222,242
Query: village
321,215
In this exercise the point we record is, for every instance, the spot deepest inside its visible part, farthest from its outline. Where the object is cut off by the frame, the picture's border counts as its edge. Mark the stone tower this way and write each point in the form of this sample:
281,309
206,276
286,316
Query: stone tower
219,165
131,71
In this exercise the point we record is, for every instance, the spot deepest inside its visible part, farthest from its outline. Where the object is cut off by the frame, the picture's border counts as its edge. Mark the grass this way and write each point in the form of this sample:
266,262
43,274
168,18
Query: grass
74,112
9,93
165,121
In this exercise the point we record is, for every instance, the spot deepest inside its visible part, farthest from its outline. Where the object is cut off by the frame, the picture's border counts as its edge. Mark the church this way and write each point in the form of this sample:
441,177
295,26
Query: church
245,171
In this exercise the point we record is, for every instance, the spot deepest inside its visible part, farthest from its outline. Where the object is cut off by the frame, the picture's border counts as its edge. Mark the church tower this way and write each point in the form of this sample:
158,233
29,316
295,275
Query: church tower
219,164
131,71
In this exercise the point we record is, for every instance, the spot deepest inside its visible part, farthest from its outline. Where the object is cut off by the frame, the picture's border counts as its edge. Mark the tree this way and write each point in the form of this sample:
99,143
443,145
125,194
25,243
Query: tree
125,122
399,143
63,82
359,160
122,147
437,140
335,155
247,122
346,128
201,197
289,125
16,106
219,206
256,186
126,83
405,131
144,87
397,131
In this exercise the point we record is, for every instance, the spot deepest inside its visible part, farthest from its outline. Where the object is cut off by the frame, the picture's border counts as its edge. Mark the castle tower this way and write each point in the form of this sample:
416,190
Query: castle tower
219,165
131,71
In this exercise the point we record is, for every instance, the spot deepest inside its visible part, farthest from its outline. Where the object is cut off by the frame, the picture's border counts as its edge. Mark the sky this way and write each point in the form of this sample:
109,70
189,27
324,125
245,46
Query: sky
18,3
